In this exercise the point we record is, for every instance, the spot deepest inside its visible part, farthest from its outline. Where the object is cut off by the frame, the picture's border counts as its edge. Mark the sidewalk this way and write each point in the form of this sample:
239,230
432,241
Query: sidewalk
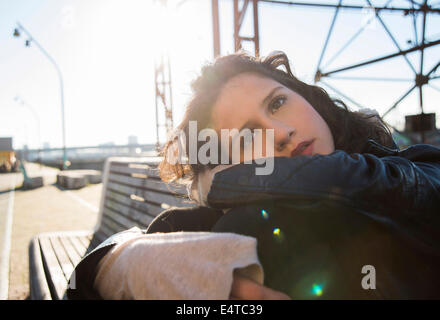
33,170
44,209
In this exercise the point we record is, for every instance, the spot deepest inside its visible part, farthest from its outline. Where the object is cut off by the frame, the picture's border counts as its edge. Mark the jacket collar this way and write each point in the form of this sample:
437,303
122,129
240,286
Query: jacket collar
379,150
417,152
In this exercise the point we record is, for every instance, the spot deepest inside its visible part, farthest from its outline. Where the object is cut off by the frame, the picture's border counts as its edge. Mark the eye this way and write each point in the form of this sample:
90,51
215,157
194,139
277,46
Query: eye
277,103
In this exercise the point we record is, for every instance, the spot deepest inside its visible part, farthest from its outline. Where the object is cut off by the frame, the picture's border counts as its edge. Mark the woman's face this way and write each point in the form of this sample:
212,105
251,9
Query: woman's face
252,101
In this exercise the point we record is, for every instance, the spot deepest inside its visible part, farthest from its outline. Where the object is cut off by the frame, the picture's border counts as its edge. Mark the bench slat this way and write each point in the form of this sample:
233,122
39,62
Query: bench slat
138,216
147,208
85,241
150,171
57,280
63,259
38,284
122,220
150,196
136,163
148,184
78,245
71,251
113,226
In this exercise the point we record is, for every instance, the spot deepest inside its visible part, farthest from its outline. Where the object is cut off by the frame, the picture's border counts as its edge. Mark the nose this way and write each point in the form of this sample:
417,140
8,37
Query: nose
283,134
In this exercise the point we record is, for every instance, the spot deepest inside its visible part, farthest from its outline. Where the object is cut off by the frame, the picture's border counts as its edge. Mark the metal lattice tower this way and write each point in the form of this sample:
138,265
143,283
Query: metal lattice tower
239,14
163,90
164,96
413,9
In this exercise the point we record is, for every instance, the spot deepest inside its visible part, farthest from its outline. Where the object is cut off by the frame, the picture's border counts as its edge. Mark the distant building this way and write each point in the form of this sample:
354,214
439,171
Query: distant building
132,140
412,134
8,160
6,144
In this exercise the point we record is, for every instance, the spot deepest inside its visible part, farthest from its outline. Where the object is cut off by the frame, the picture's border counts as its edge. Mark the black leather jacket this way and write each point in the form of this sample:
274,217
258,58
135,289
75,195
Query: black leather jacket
325,217
400,188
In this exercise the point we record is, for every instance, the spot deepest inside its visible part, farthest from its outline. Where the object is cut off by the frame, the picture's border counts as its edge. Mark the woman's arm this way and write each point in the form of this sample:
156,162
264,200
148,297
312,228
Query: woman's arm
392,189
177,265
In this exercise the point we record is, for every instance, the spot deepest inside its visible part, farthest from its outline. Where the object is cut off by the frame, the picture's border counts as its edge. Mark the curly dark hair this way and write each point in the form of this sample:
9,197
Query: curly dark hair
350,129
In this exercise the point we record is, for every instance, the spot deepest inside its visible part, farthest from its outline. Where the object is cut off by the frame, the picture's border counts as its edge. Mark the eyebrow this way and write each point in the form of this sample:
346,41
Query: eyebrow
263,103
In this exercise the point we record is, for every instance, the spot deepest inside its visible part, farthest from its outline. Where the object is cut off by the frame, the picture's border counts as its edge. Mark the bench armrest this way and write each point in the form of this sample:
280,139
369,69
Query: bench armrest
39,290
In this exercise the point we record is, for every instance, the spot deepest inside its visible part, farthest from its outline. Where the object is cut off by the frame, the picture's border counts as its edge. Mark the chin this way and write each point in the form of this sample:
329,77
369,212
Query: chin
323,149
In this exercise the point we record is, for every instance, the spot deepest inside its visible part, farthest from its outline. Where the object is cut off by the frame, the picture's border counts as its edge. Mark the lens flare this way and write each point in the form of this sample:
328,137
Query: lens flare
317,290
278,235
264,214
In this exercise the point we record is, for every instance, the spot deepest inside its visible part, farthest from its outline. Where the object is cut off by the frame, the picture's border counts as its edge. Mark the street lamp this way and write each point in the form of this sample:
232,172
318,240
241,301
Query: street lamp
23,103
28,43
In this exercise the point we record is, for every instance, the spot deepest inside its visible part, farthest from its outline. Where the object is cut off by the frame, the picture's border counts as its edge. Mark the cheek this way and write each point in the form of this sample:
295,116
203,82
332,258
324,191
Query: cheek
309,123
302,117
322,131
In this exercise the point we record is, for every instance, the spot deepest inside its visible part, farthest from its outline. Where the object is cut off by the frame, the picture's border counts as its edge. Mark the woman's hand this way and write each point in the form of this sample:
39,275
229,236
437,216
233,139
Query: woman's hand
246,289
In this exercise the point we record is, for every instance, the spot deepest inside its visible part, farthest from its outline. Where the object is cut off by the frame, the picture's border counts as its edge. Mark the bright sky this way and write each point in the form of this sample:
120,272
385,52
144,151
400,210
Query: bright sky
105,50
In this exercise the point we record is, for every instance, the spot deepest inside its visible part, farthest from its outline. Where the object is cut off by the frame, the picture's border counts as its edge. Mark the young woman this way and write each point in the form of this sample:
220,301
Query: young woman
344,213
342,197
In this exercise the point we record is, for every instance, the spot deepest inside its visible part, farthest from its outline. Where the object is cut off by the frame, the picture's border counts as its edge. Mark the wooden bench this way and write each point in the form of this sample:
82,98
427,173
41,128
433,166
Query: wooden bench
132,195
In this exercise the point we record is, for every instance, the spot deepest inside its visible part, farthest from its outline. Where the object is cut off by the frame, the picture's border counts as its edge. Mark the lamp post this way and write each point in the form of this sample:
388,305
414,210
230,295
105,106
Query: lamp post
23,103
28,43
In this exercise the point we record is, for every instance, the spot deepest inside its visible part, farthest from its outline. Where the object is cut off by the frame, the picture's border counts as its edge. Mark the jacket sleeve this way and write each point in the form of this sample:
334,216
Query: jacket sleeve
391,189
171,220
81,281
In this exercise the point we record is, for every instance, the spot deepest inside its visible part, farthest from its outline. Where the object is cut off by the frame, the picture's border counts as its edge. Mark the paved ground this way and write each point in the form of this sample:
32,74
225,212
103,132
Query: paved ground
43,209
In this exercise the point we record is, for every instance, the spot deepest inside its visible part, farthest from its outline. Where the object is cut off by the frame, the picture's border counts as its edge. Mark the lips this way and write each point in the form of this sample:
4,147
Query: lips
301,147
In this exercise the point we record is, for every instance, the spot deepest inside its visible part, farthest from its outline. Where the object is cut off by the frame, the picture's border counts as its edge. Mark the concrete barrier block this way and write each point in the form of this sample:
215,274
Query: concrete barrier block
71,180
92,176
75,179
75,182
32,183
